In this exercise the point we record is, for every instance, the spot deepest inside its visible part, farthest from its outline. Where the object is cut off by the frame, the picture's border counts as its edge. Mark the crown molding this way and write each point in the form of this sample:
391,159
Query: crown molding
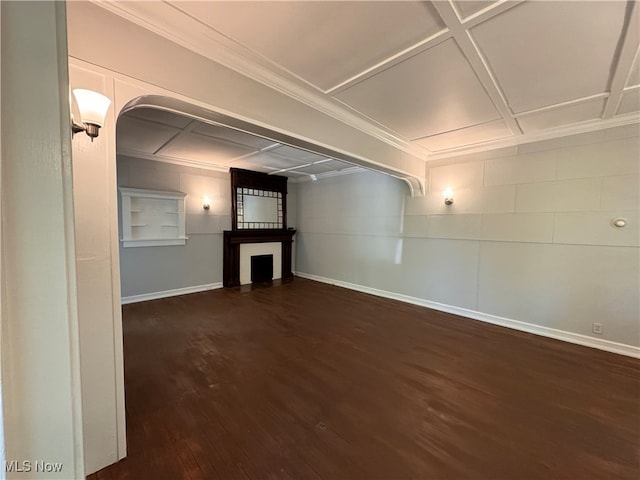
575,129
170,22
125,152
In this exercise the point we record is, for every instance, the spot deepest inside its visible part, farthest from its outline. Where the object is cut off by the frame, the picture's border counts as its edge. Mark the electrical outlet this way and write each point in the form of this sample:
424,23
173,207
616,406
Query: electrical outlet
597,328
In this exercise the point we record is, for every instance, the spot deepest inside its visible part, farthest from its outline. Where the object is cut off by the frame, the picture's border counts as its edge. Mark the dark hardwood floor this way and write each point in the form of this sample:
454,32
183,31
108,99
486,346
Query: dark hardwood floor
311,381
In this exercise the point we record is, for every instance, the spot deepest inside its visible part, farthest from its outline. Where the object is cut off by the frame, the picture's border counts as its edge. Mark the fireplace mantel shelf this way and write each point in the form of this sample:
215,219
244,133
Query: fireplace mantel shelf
234,238
258,236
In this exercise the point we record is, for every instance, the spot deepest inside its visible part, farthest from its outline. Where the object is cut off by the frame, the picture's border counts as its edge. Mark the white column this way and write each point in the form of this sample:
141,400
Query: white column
39,335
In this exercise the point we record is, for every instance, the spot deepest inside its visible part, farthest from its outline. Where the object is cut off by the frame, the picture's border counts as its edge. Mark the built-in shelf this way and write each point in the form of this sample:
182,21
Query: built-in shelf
159,217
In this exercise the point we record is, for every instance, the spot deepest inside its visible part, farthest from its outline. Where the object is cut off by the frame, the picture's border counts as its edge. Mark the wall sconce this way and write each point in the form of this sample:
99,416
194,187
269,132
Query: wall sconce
93,108
206,203
448,196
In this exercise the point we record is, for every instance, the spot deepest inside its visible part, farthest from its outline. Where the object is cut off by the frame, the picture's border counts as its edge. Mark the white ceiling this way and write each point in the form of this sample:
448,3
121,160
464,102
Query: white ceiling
443,77
169,137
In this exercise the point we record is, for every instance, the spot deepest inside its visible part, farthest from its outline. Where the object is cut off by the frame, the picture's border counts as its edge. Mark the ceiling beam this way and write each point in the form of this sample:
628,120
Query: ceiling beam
425,44
478,64
415,182
252,154
399,57
170,21
568,103
189,127
628,52
297,167
488,12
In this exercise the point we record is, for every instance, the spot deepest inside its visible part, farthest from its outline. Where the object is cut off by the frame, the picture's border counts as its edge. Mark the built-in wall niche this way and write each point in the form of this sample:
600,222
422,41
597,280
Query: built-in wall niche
152,217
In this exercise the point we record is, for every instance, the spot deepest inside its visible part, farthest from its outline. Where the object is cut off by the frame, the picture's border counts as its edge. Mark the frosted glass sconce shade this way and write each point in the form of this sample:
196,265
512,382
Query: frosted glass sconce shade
93,108
448,196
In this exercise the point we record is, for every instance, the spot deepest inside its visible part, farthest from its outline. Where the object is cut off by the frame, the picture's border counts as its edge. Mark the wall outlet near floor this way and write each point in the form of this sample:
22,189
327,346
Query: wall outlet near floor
597,328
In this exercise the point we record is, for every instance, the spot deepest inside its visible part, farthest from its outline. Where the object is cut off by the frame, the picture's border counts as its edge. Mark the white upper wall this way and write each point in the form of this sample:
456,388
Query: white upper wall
566,195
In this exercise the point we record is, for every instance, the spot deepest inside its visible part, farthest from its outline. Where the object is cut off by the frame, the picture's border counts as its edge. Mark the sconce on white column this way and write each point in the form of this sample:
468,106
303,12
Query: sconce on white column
93,108
206,203
448,196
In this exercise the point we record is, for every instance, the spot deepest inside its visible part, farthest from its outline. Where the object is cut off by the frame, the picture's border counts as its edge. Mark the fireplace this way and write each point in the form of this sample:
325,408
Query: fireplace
258,227
240,246
250,250
261,268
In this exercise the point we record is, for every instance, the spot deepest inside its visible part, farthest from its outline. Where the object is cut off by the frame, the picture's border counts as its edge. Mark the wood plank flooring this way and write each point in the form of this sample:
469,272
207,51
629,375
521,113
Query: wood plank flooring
311,381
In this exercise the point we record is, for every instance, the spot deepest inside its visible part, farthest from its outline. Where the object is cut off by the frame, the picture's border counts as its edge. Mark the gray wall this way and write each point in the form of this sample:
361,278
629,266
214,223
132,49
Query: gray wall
199,262
528,237
145,270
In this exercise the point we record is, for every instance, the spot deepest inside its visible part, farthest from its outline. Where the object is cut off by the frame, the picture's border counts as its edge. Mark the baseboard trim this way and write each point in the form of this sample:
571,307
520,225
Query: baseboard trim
169,293
614,347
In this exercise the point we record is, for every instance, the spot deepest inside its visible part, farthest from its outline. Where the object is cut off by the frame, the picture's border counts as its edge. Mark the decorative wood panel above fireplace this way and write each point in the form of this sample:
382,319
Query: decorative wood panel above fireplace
258,200
258,215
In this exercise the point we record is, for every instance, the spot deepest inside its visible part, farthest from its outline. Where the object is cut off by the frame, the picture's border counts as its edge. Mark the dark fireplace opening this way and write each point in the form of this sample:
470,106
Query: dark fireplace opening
261,268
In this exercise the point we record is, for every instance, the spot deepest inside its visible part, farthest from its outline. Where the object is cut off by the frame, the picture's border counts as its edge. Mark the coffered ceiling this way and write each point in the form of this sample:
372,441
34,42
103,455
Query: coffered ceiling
441,78
164,136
